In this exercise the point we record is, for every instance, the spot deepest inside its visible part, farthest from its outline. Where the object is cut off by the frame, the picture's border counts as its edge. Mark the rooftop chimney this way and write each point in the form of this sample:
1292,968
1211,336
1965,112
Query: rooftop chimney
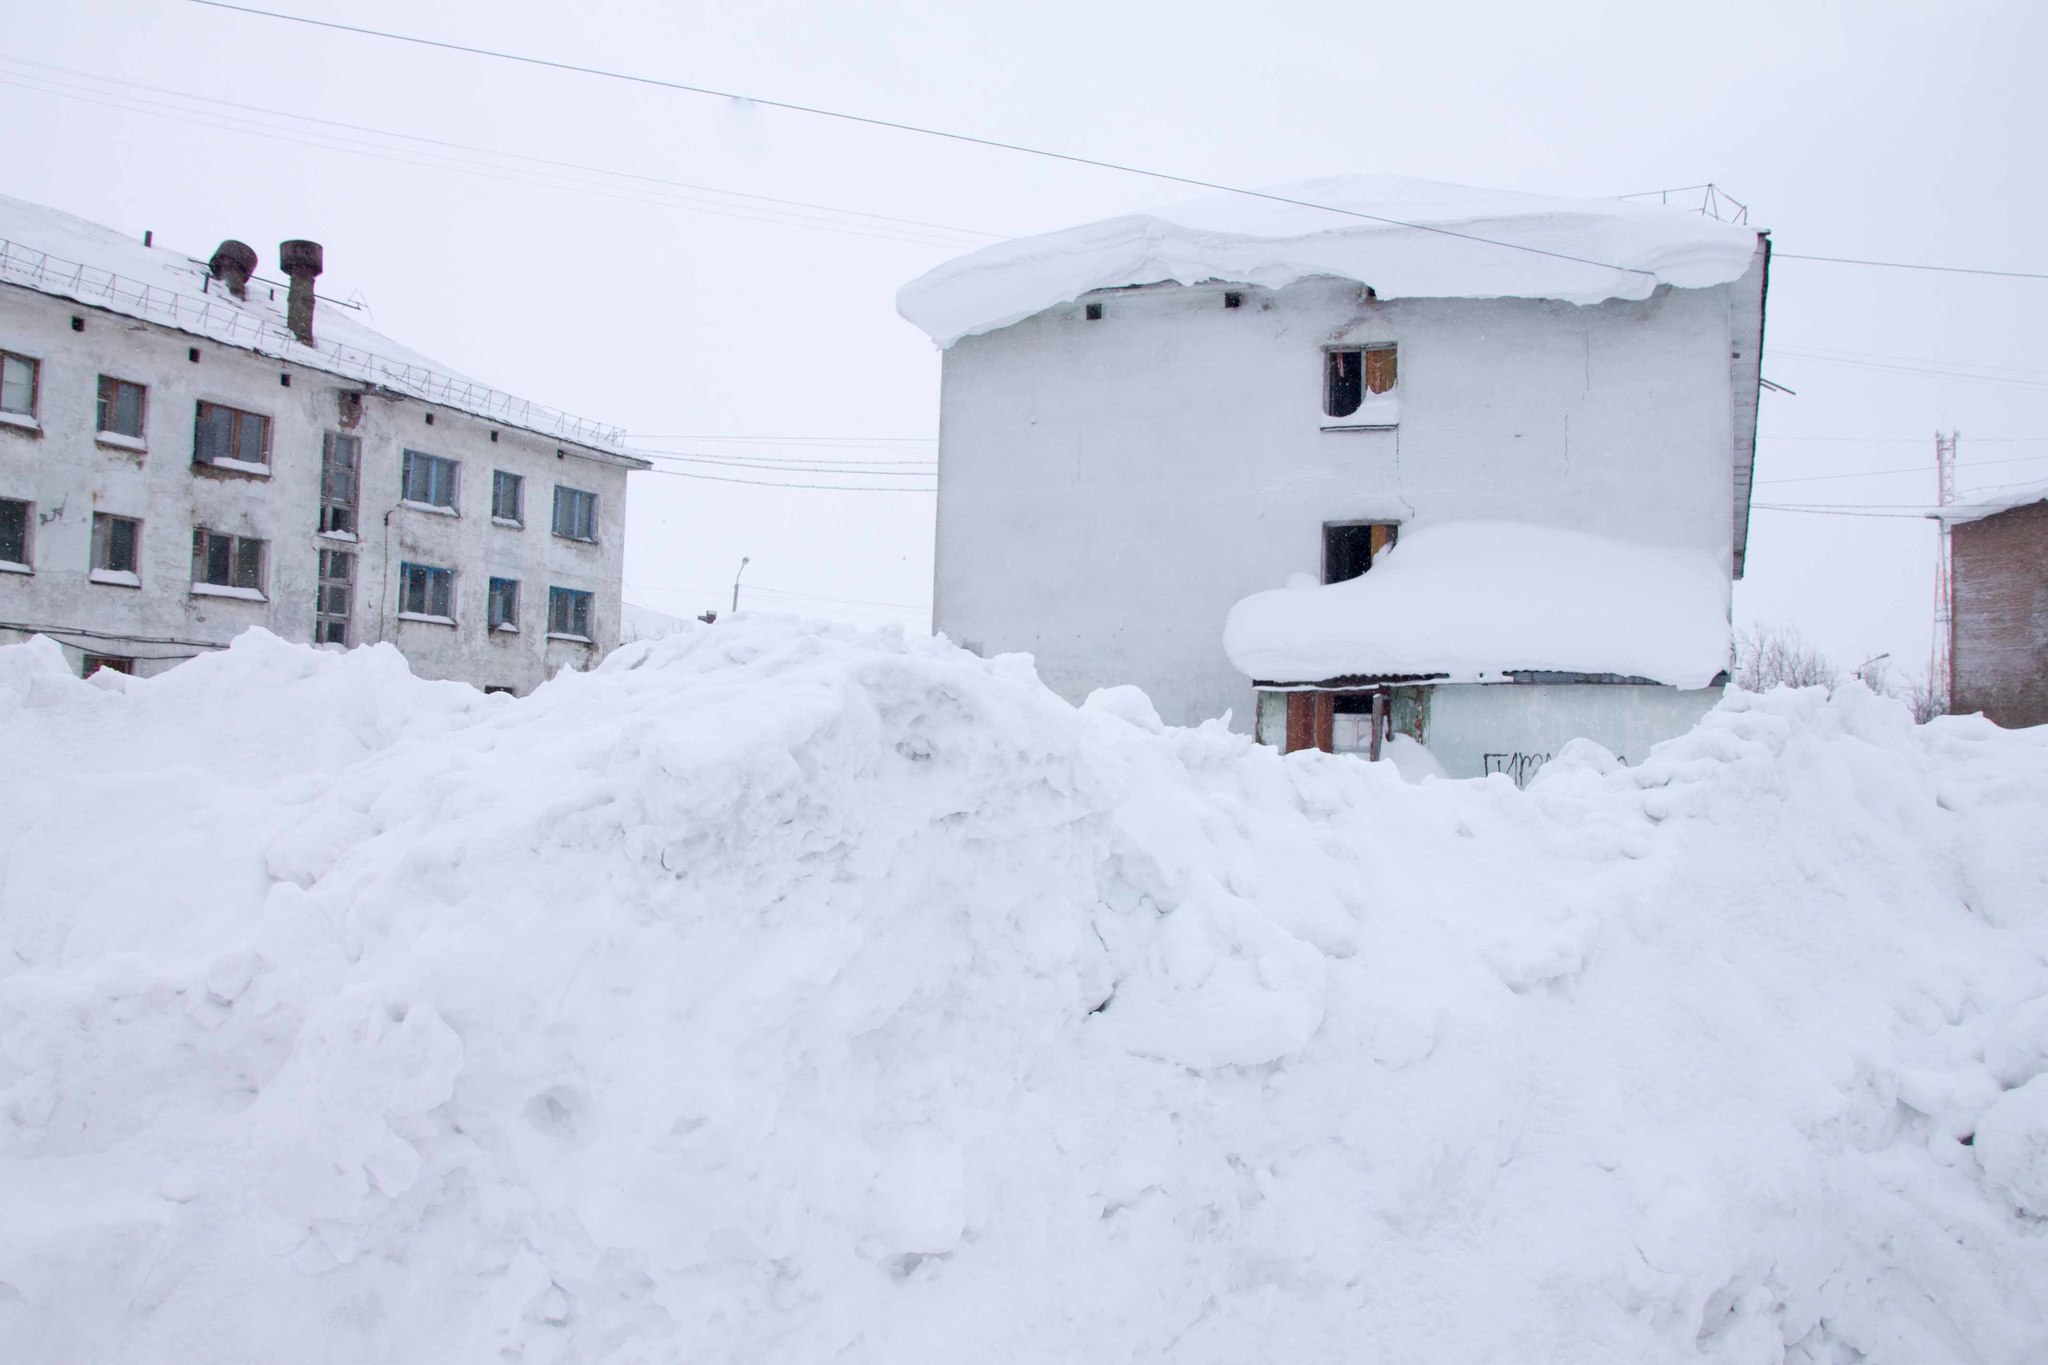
301,261
232,264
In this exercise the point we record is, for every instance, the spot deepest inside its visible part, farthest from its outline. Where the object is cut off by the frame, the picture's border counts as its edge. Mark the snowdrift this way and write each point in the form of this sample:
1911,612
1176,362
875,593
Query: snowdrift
772,994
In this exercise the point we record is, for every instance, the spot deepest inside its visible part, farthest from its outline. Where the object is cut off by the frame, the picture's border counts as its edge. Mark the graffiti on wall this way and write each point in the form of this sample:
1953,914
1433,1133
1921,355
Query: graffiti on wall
1519,767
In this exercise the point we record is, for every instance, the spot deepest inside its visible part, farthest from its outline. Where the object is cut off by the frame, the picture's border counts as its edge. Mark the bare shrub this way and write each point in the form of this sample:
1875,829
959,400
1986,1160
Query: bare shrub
1779,656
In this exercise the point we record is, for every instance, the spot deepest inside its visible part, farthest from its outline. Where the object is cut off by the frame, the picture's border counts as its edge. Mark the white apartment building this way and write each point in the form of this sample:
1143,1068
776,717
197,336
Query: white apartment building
189,448
1479,459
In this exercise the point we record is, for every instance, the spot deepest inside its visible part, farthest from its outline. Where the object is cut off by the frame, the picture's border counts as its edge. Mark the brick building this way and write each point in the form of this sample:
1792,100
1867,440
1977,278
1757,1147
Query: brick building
1998,608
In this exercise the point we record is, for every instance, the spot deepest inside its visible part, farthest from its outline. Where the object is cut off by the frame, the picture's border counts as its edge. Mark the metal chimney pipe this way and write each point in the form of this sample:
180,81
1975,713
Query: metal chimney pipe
232,264
302,261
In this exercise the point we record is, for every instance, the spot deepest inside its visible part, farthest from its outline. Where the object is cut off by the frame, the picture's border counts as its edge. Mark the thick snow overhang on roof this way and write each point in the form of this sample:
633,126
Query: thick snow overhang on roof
1485,601
1405,238
1991,504
57,253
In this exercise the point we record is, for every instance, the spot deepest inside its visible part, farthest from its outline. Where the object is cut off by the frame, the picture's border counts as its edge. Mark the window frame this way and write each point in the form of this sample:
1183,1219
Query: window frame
429,575
1378,363
203,538
102,569
1381,536
103,402
576,598
332,503
35,388
500,479
89,664
450,508
574,494
26,564
328,621
237,417
493,621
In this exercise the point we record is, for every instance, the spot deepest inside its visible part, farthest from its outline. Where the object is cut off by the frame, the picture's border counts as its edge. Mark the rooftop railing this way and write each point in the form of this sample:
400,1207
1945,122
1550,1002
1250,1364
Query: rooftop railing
223,320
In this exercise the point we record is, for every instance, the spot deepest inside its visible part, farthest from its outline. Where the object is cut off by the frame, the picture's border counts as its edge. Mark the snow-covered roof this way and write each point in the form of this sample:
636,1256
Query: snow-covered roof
1406,238
1475,601
58,253
1990,504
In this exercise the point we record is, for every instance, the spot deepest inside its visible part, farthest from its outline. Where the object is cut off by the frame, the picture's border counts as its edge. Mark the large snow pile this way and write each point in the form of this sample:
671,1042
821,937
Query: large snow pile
776,995
1472,601
1406,238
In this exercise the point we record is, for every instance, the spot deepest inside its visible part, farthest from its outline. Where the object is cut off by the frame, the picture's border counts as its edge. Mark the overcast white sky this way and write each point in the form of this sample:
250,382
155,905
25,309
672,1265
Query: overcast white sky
1905,131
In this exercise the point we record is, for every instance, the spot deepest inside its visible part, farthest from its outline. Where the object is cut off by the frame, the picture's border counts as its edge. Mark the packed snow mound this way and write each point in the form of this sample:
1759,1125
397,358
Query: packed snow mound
1472,601
776,994
1406,238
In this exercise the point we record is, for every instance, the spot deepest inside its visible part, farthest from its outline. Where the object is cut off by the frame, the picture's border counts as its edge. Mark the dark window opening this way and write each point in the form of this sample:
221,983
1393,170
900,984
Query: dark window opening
14,523
1233,299
426,590
1093,312
340,462
229,434
503,609
113,663
113,543
1348,376
224,561
1349,547
569,613
121,407
335,601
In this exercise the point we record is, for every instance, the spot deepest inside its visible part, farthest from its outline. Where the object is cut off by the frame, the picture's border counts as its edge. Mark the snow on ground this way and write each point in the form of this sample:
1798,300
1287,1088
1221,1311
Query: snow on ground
777,994
1406,238
1474,600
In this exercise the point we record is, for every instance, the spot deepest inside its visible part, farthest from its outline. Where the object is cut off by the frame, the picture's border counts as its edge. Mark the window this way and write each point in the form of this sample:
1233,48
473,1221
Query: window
504,607
1349,547
223,561
508,498
424,590
336,597
113,663
121,408
429,480
114,542
19,377
575,513
14,523
1349,375
569,613
231,437
340,459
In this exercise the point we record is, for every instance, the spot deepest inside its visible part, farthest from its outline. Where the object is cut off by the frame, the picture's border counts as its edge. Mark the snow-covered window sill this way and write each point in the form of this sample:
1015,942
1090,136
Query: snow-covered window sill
508,523
1375,414
114,440
504,628
572,639
422,617
10,566
434,508
21,421
118,578
223,590
347,536
249,467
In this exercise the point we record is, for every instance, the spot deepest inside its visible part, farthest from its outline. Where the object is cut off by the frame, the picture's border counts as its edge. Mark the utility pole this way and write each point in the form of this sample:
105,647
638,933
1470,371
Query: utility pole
744,561
1941,663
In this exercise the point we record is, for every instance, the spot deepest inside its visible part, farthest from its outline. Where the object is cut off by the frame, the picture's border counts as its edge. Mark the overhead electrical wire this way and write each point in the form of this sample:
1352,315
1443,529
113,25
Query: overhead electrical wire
1903,469
775,483
716,462
1898,265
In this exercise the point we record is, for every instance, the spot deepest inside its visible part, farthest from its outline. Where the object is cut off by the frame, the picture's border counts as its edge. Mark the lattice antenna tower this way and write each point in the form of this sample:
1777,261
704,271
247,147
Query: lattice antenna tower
1941,664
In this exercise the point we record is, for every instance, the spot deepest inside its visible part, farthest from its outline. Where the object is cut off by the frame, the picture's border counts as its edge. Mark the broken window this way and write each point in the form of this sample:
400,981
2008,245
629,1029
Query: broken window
569,613
114,542
224,435
336,598
14,523
19,375
508,498
426,590
504,605
340,462
1349,547
121,408
575,513
1349,375
429,480
224,561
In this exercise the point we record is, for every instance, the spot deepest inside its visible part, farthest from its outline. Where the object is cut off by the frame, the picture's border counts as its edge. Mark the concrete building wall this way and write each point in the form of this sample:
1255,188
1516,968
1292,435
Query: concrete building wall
1108,489
1999,572
69,474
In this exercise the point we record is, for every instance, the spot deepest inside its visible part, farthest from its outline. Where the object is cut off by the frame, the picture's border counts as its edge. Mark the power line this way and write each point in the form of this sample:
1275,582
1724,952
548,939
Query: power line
1847,260
1903,440
1911,367
764,209
793,440
773,483
873,122
1834,511
1906,469
787,467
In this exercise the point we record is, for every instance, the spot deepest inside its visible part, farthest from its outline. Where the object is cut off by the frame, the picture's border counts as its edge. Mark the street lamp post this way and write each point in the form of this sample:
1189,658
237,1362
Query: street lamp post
736,582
